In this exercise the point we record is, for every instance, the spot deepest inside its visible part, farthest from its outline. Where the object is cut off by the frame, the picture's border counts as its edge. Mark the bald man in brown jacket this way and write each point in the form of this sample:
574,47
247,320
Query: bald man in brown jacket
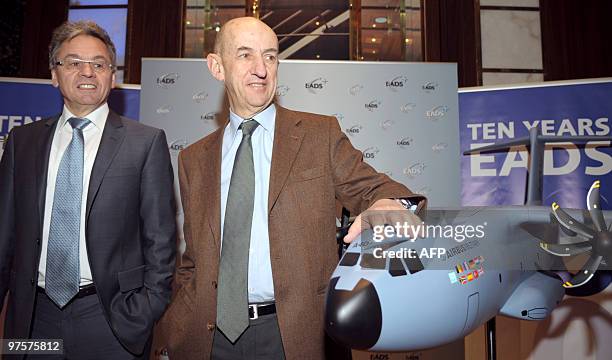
310,164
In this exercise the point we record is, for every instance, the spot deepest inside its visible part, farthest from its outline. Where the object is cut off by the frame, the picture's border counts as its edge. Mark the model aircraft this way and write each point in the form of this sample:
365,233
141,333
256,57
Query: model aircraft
406,303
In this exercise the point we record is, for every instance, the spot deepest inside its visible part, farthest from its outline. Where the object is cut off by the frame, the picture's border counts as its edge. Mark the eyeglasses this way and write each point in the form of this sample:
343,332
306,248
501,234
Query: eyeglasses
74,64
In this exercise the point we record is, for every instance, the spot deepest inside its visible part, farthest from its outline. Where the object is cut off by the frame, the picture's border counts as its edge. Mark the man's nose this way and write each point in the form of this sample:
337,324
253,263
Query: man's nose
259,67
86,69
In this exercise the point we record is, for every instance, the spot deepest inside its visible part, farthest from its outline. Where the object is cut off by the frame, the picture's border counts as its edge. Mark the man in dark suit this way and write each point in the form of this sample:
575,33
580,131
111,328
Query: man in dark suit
259,201
87,214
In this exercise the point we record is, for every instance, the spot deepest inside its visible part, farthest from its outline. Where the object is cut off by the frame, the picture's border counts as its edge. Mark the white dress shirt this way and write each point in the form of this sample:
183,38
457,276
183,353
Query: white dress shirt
260,283
62,136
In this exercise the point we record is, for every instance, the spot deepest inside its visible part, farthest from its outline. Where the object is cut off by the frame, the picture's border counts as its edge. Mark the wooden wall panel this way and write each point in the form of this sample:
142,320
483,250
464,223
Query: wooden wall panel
41,18
576,39
452,34
155,29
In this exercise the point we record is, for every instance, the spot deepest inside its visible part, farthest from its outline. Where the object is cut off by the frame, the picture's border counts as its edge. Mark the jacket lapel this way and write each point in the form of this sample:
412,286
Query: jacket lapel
42,162
288,137
112,138
210,168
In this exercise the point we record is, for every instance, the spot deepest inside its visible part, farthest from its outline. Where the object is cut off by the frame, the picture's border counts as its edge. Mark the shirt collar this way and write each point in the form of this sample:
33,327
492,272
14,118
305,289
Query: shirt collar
97,117
266,119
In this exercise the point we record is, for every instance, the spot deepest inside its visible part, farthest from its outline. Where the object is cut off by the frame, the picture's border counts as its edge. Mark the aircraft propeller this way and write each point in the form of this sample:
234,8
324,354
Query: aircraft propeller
598,240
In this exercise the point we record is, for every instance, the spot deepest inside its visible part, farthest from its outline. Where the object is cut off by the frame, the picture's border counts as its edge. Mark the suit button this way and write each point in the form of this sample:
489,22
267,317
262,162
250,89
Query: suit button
210,326
214,284
32,281
37,241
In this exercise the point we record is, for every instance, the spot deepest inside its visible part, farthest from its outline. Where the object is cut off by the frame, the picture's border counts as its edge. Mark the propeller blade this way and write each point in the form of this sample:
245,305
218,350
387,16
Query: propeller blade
553,274
545,232
593,206
597,284
570,223
566,249
587,272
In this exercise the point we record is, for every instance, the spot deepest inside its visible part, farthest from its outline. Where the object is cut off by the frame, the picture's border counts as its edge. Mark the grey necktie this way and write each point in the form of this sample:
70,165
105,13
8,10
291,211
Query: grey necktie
62,274
232,298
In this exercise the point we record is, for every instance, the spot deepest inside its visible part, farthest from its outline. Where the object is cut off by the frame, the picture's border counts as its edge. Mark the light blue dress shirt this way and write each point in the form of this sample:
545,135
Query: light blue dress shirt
260,283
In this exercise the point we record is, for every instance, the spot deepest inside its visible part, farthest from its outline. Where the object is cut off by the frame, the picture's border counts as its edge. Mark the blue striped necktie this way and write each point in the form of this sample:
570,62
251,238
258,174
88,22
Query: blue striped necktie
62,273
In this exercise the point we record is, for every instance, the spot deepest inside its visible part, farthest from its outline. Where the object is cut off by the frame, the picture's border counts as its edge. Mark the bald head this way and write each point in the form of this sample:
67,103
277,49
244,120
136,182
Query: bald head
246,60
229,30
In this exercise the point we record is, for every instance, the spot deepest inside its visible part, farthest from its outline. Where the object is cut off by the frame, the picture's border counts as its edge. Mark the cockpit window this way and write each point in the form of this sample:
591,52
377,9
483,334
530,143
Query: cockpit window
349,259
368,261
396,267
414,264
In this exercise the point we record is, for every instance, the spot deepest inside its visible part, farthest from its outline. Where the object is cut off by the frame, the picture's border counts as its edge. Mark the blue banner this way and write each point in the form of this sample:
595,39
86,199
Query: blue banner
492,116
24,102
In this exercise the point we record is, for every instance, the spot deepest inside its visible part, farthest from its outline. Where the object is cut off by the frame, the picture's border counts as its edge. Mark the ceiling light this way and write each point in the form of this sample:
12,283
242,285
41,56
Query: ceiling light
381,19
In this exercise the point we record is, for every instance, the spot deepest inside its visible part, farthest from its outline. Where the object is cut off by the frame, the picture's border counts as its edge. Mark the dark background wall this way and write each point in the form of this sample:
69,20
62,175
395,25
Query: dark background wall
576,37
11,23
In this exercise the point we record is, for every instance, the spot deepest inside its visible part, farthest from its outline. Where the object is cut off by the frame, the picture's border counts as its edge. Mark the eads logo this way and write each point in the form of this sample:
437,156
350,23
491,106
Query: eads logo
209,116
355,89
282,90
167,80
396,83
178,145
404,143
371,152
437,112
373,105
430,86
316,85
439,147
414,170
354,130
200,97
163,110
379,357
386,124
407,107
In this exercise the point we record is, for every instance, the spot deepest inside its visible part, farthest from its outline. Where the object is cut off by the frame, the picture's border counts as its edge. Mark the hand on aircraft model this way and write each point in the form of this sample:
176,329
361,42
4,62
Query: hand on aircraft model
383,211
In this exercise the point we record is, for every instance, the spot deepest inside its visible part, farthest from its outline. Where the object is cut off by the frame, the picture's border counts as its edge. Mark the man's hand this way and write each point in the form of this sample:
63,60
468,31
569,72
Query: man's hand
383,211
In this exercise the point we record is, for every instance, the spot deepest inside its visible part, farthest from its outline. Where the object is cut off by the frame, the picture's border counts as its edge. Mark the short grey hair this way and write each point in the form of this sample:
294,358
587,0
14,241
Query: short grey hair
69,30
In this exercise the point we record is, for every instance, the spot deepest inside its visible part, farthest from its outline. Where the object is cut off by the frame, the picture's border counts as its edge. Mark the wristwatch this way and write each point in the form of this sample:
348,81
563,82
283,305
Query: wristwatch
407,204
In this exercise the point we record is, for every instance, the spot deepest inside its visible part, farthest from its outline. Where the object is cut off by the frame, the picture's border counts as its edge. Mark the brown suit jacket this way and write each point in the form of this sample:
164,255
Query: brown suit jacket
313,163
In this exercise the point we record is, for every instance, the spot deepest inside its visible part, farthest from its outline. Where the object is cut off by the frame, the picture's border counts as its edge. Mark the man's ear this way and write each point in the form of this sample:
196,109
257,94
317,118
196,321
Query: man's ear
215,66
54,81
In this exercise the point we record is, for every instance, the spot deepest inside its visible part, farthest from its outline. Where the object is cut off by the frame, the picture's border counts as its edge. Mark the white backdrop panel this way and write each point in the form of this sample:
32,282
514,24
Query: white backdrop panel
402,116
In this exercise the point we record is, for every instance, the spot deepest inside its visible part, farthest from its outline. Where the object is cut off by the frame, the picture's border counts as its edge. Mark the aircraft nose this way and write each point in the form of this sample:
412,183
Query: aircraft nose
353,317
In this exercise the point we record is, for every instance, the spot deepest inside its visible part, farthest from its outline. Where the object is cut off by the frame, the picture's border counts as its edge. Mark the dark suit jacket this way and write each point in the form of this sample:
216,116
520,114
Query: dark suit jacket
130,225
313,163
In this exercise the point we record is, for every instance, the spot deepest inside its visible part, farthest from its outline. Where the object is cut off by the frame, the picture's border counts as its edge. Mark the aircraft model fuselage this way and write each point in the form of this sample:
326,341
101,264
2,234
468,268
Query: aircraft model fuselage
415,297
